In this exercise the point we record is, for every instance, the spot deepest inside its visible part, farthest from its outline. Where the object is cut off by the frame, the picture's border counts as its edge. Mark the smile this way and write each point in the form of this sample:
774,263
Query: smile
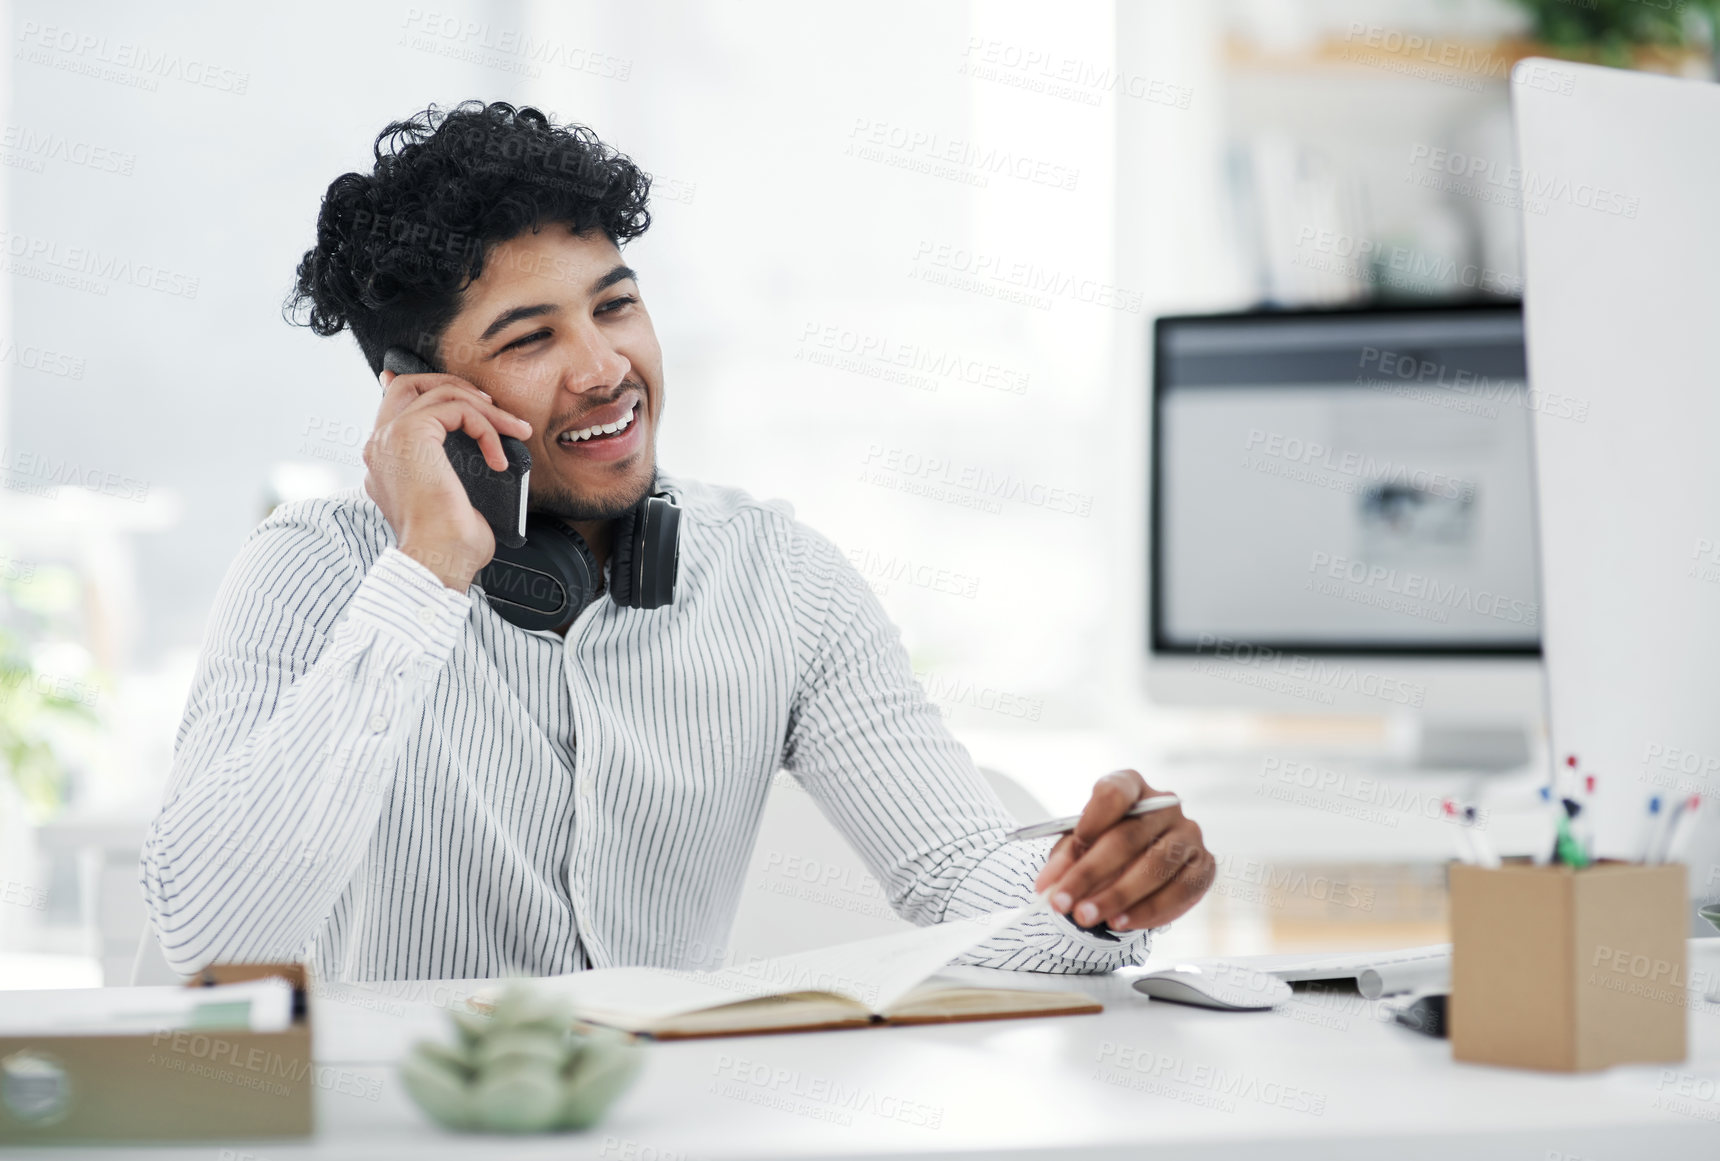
600,430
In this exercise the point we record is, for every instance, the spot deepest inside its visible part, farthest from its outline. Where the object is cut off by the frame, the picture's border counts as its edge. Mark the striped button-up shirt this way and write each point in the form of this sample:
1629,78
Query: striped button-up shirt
380,775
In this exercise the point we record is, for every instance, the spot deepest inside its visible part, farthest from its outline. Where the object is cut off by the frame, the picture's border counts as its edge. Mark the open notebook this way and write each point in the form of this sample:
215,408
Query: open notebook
888,980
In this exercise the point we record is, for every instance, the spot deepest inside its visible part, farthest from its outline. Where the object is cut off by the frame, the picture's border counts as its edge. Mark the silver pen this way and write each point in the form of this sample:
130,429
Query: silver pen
1067,825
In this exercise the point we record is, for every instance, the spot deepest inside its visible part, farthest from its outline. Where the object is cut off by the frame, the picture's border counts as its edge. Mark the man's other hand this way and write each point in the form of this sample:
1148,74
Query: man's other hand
1127,873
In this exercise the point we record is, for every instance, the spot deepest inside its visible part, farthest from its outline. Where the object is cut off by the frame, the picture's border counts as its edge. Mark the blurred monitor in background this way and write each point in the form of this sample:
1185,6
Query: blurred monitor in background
1343,521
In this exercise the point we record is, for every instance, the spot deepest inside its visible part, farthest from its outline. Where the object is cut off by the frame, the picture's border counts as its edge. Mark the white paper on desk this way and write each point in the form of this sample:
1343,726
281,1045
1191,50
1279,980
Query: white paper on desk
876,972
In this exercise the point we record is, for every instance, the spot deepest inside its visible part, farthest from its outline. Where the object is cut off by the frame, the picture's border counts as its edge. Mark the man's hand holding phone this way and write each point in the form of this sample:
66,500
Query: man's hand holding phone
410,478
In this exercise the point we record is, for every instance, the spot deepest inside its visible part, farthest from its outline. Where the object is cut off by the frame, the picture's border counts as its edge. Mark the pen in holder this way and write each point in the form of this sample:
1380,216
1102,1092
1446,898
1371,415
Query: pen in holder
1567,969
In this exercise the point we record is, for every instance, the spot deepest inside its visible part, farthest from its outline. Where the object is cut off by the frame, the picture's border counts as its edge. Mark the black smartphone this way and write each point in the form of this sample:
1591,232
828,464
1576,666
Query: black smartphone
499,497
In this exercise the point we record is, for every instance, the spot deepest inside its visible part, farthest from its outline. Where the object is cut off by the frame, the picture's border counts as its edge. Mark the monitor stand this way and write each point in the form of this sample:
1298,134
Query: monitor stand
1457,745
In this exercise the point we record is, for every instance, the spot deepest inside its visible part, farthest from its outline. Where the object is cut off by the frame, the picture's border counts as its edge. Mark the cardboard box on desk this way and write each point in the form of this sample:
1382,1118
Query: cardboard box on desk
162,1086
1568,970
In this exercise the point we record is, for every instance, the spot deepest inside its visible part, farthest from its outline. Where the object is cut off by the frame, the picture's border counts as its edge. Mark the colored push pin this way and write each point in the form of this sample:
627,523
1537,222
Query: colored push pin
1476,849
1650,830
1678,829
1463,840
1585,830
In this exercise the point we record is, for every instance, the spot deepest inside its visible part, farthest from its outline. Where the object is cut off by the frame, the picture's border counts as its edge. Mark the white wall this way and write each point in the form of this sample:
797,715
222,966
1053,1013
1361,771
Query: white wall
795,132
781,218
197,391
806,197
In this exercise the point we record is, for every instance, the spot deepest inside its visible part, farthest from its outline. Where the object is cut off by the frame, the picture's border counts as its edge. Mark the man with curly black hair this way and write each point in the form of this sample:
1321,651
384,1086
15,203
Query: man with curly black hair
379,773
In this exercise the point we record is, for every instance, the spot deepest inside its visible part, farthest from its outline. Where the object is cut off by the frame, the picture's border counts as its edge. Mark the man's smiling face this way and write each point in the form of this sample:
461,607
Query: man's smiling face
556,332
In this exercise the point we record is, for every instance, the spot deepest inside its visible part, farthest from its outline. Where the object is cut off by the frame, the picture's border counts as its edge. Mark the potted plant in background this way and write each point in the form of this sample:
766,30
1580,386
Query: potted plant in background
1676,37
45,712
31,704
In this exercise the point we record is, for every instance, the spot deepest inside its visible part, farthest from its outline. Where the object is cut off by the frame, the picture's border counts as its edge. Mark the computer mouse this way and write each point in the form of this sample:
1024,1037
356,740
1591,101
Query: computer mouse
1226,986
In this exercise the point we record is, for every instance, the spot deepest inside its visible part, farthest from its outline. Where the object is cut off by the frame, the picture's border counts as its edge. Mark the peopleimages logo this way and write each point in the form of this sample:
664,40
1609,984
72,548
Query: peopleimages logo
1308,453
1392,370
937,155
882,465
1416,586
1323,788
1681,761
807,1094
32,256
977,269
1535,188
1297,675
138,65
1365,260
1036,70
1179,1077
1261,882
920,366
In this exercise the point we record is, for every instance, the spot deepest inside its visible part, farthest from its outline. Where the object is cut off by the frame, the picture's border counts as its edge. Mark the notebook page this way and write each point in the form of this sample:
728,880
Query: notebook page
878,971
648,994
875,972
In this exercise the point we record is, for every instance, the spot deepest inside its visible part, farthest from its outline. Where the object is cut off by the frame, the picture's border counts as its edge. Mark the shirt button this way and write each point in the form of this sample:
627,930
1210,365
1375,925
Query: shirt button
427,616
378,724
585,788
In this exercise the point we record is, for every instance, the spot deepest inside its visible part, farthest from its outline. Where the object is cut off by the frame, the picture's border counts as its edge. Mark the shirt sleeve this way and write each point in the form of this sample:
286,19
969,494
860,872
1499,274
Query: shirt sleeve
875,754
287,750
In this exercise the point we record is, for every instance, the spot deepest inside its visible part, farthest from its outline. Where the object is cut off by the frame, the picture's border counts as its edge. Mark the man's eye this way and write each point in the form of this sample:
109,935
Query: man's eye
531,338
616,304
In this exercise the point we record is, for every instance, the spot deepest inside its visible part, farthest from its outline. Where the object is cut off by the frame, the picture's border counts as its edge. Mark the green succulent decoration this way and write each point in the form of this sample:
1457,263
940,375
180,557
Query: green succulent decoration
1610,31
33,704
527,1067
1712,914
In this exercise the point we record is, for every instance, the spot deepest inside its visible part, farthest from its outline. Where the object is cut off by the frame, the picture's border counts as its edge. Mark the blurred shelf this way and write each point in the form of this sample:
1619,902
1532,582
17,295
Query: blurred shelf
1425,56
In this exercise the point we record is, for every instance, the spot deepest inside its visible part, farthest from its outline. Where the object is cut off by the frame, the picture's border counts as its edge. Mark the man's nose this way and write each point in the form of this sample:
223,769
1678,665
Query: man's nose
594,363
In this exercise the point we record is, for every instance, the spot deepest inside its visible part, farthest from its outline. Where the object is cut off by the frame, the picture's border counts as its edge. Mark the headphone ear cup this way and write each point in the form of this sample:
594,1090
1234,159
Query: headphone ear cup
622,549
645,556
544,583
656,553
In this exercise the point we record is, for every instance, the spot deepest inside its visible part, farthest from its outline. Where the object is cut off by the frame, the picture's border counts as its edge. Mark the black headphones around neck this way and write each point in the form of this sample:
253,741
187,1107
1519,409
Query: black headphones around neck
551,577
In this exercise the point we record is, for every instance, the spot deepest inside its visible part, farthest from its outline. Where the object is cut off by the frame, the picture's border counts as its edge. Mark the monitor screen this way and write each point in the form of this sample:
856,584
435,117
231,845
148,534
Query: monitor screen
1352,481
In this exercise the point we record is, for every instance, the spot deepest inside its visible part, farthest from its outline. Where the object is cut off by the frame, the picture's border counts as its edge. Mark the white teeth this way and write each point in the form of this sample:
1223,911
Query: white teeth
601,429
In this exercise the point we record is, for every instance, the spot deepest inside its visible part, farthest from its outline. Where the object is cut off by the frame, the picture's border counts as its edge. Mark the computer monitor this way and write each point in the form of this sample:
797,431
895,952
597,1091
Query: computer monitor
1620,313
1342,520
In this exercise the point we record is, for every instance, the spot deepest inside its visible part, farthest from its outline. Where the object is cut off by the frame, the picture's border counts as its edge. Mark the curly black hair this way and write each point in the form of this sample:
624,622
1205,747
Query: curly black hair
396,247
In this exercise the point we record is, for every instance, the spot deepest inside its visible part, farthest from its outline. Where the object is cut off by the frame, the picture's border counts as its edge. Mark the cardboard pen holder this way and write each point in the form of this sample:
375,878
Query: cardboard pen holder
1566,970
163,1086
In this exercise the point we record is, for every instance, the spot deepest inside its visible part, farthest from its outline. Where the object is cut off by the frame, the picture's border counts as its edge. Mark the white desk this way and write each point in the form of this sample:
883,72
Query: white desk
1324,1079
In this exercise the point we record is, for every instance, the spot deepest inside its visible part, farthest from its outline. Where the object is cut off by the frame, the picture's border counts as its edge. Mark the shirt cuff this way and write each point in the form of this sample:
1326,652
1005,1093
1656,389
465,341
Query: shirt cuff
409,603
1101,937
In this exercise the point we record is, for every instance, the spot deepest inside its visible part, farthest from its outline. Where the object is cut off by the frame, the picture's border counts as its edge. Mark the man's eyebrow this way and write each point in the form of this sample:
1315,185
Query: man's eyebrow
509,317
619,274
